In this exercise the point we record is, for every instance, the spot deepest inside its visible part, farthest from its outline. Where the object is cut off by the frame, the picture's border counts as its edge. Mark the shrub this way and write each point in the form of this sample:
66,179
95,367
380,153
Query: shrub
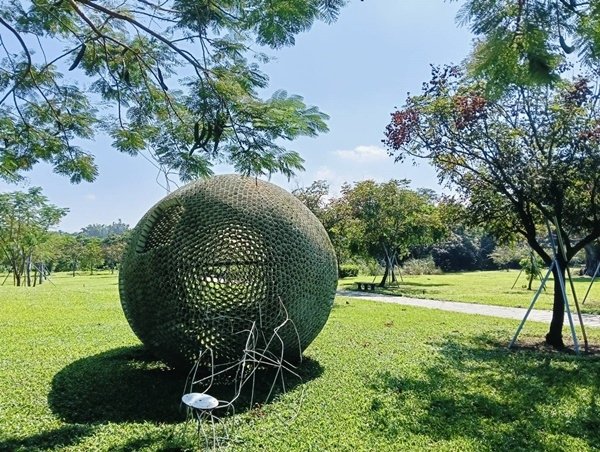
425,266
464,250
508,256
348,270
370,267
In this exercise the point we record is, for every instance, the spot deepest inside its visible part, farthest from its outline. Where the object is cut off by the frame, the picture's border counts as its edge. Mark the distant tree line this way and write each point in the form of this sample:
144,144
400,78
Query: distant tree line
382,226
29,251
83,251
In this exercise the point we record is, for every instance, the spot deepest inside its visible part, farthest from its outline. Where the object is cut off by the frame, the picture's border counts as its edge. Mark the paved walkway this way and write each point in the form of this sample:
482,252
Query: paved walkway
536,315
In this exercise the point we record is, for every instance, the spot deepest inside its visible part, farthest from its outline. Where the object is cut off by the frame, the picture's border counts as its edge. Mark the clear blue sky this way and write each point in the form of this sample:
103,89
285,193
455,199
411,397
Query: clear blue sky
356,70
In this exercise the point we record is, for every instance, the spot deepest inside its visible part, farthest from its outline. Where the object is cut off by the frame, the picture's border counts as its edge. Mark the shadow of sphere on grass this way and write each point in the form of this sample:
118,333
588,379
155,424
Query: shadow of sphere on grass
129,385
68,435
121,385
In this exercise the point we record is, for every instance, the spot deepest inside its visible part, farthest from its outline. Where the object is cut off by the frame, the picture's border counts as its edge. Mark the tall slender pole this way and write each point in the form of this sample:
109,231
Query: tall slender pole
591,283
561,281
564,254
577,308
518,276
535,297
569,316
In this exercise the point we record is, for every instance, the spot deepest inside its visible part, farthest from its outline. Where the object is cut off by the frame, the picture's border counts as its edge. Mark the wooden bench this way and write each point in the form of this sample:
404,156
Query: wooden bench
365,286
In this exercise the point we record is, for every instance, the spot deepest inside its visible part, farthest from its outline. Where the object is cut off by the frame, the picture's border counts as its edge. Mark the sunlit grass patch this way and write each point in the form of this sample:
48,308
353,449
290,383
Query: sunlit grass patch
379,377
485,287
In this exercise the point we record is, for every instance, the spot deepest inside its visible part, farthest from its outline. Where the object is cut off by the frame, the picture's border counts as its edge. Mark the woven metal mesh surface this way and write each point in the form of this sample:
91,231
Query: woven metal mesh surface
217,256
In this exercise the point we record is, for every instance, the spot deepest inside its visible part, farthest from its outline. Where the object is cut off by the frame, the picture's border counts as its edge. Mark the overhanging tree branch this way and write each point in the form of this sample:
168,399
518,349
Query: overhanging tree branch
27,55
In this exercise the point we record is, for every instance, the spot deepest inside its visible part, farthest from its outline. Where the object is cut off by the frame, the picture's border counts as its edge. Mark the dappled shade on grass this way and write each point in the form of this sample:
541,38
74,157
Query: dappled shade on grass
469,387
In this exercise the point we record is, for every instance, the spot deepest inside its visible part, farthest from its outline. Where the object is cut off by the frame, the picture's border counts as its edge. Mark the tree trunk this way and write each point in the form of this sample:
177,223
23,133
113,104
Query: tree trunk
28,270
388,273
385,274
592,258
393,267
35,275
20,273
554,336
42,271
17,268
388,267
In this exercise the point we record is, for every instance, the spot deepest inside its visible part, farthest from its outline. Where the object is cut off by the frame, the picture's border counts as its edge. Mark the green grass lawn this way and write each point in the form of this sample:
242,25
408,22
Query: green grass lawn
379,377
486,287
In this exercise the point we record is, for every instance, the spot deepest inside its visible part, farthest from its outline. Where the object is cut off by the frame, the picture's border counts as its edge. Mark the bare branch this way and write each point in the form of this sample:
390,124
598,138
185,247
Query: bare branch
27,55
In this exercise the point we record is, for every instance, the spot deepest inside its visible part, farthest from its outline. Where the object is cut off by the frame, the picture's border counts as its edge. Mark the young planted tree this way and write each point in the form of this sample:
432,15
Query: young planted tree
532,266
45,255
530,155
113,248
71,250
386,220
177,79
92,254
24,222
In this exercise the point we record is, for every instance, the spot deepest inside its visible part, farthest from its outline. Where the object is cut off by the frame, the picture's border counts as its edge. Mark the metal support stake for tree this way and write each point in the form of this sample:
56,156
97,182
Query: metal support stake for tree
43,271
518,276
535,297
7,275
561,280
564,254
591,283
569,316
562,286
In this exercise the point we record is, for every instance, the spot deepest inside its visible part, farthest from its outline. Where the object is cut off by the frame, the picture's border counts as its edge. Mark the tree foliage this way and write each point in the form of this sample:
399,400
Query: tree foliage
24,222
104,231
315,197
177,79
71,251
525,42
330,213
113,249
509,255
386,220
464,249
525,157
92,253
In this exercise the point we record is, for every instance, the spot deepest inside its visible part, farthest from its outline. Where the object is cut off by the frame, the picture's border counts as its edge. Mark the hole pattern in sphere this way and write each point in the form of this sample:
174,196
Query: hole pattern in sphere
220,255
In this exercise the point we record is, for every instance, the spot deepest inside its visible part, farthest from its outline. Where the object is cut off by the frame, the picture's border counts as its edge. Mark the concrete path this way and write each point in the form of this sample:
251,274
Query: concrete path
589,320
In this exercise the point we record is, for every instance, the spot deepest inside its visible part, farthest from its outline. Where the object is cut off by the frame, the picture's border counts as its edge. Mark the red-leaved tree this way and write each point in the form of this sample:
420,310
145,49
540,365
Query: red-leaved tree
529,155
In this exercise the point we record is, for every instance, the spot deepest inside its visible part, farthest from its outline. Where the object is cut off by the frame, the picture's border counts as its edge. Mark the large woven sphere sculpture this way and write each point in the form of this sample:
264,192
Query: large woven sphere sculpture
219,258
